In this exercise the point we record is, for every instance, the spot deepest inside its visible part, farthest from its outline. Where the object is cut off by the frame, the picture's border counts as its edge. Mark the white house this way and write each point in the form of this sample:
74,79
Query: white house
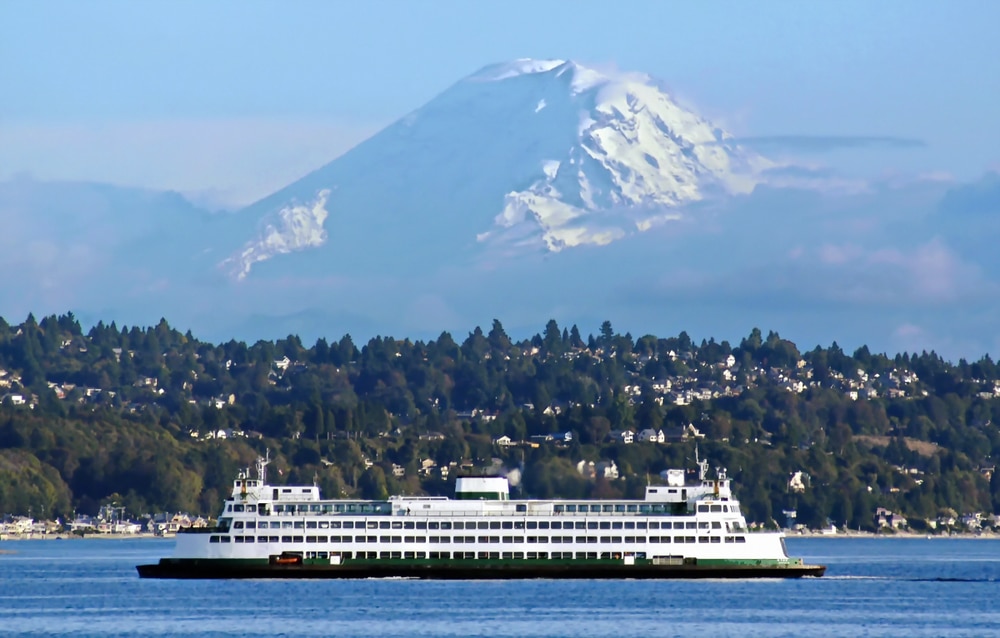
622,436
652,436
503,441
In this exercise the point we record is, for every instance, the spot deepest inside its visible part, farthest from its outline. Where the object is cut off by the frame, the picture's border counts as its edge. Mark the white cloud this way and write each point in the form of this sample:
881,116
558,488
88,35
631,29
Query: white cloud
221,162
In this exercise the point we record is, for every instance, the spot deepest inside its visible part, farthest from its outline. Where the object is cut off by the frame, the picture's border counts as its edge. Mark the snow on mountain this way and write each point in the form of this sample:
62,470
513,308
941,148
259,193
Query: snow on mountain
530,154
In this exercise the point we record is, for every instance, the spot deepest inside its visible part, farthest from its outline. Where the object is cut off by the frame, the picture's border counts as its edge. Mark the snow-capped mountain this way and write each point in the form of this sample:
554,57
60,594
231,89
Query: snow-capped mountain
537,154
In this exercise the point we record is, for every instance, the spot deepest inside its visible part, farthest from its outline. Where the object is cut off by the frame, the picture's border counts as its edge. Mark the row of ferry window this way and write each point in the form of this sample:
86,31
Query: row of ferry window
474,555
478,539
317,508
475,525
386,508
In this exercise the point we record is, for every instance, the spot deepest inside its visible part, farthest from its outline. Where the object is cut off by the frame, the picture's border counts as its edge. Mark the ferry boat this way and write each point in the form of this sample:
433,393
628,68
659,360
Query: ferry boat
688,527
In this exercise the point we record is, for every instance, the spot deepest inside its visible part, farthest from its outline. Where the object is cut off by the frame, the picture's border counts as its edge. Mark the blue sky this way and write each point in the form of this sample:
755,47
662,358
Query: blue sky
230,100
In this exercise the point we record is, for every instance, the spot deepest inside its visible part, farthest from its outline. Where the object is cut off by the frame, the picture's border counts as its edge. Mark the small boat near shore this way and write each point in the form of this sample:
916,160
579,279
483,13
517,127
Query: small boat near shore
688,527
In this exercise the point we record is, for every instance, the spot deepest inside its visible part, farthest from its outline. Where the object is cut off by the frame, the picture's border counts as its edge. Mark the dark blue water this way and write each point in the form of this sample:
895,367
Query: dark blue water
874,587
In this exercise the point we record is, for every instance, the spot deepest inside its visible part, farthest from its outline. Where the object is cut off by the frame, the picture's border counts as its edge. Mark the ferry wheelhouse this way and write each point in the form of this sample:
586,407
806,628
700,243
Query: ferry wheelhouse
689,527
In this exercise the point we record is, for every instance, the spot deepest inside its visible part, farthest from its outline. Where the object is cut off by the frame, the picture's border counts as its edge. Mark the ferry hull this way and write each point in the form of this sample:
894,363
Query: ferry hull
194,569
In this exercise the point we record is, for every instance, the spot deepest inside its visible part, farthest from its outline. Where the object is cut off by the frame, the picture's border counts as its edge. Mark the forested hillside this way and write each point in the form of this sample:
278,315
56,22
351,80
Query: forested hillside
158,421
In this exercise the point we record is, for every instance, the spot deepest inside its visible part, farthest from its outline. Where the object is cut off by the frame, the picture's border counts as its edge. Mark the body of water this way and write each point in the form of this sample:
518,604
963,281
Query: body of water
873,587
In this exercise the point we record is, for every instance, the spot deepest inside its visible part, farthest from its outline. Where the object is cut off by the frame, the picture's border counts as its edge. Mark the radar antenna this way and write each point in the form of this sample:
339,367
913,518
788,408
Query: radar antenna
262,462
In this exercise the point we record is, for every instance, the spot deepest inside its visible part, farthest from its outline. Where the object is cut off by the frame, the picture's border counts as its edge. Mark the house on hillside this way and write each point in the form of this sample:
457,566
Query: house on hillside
887,519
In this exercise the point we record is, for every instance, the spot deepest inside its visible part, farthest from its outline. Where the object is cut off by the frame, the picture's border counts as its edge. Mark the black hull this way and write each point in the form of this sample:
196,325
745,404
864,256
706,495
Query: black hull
179,570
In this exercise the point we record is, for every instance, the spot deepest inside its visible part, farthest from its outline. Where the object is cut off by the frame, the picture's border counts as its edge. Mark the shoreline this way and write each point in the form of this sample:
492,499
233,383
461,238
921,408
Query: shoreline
66,536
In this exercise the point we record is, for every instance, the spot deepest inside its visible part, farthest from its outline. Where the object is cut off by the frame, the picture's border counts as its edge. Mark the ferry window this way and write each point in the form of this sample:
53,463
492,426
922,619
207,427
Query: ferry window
494,524
315,508
408,525
397,524
286,490
581,539
741,539
507,525
223,539
658,508
346,524
579,525
322,539
480,525
229,507
397,539
532,539
432,525
297,539
730,539
372,524
605,525
558,509
238,508
507,555
619,508
664,539
616,539
654,539
716,508
543,525
630,525
703,539
327,524
384,539
591,539
532,555
350,509
556,525
703,525
461,525
249,539
409,539
631,508
571,509
407,554
494,539
421,524
302,507
654,525
703,508
644,509
532,524
640,525
213,539
594,508
384,525
616,525
251,524
519,555
286,539
238,525
690,525
237,539
607,508
518,524
716,525
508,539
327,508
666,525
521,507
311,525
605,539
310,539
716,539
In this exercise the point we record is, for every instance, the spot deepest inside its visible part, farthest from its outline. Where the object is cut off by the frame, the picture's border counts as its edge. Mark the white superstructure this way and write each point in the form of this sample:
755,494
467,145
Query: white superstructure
688,517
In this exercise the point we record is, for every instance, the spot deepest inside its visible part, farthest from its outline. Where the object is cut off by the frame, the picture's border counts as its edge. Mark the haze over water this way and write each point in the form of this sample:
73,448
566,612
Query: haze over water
876,587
